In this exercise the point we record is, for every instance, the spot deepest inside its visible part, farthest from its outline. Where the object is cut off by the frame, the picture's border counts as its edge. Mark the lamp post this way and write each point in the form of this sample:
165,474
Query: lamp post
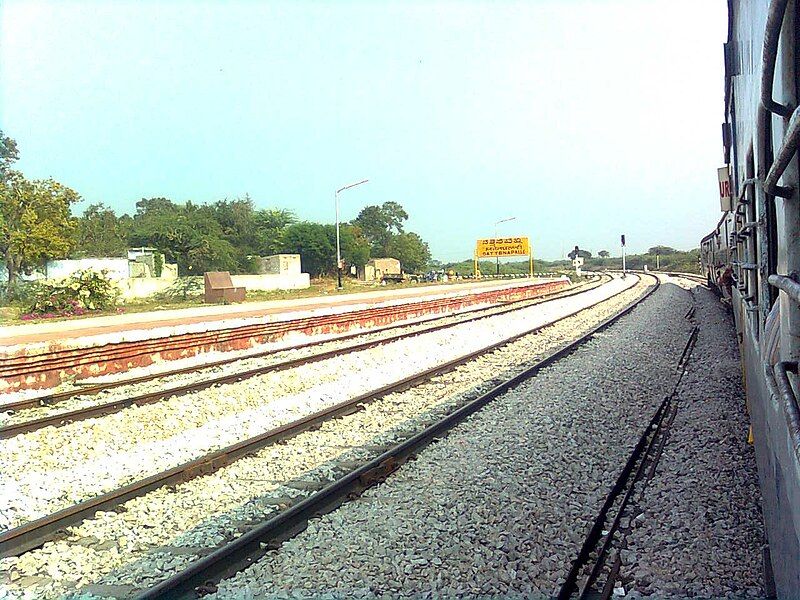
338,247
495,237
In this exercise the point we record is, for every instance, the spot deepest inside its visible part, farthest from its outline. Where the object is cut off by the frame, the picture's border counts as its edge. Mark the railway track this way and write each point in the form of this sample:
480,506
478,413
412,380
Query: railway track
35,533
202,575
49,367
60,418
596,568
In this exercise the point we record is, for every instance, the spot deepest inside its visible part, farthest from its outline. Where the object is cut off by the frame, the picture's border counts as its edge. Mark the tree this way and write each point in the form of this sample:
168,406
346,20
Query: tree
186,234
8,154
354,246
603,254
101,233
662,250
312,241
410,250
270,224
35,222
379,223
584,254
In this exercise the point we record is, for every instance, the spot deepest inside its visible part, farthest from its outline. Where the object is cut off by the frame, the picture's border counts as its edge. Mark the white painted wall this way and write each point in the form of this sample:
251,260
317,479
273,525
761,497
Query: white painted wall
59,269
266,282
142,287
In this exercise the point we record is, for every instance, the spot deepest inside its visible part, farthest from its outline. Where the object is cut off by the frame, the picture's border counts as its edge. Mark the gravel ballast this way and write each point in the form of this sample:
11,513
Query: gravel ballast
49,469
500,506
701,532
201,513
251,358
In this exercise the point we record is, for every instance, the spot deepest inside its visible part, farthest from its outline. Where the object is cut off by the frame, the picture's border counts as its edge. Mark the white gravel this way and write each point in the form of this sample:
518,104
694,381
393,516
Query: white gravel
49,469
295,311
701,531
205,511
500,506
278,352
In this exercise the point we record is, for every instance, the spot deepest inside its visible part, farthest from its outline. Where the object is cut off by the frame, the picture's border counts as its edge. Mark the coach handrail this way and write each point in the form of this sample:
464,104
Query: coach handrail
745,184
772,35
787,284
786,394
787,150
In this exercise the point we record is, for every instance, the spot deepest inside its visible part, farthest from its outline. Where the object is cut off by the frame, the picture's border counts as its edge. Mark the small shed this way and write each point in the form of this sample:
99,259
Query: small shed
377,268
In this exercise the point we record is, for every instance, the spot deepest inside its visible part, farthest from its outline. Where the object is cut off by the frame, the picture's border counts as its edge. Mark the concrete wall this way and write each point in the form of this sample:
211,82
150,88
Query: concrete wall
266,282
288,264
376,268
59,269
142,287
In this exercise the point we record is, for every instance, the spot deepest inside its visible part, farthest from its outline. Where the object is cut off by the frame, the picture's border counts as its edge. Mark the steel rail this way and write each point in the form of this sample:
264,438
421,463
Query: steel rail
50,399
106,408
34,533
633,472
241,552
65,358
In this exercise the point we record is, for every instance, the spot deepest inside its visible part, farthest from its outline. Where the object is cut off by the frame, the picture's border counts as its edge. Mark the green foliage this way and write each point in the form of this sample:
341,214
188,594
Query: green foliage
20,292
158,264
675,260
410,250
188,235
8,154
35,222
183,288
270,224
223,236
354,246
379,224
662,250
604,254
312,241
101,233
84,290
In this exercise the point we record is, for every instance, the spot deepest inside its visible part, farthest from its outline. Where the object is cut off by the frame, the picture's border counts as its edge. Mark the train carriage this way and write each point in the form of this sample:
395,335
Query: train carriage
757,244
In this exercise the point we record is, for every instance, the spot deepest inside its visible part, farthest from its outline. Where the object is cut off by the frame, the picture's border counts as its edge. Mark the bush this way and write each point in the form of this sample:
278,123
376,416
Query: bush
21,292
183,288
80,292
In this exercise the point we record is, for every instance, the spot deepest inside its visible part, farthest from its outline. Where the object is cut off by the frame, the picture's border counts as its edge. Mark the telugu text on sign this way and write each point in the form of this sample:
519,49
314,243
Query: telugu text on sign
516,246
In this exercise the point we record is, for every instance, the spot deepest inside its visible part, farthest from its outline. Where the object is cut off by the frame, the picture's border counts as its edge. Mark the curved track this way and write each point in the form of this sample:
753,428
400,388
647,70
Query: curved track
32,534
200,575
58,419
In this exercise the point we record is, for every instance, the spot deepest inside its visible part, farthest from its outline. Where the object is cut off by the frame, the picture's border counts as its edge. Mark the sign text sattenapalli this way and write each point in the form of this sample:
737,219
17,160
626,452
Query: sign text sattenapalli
512,246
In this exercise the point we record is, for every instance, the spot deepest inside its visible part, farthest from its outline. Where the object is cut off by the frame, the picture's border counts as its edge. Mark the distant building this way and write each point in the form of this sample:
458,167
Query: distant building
376,268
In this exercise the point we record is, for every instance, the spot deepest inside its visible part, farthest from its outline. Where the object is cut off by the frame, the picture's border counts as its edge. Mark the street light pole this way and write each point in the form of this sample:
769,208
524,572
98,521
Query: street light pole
495,237
338,246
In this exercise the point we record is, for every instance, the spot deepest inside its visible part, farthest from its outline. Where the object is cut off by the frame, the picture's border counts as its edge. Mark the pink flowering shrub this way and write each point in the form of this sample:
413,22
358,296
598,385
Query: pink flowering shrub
81,292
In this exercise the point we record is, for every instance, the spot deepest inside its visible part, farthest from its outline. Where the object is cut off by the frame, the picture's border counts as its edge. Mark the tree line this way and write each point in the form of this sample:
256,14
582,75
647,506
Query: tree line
36,225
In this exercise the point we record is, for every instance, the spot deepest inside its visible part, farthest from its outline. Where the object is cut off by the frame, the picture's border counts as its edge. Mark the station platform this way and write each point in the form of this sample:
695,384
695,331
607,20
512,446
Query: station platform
31,333
37,355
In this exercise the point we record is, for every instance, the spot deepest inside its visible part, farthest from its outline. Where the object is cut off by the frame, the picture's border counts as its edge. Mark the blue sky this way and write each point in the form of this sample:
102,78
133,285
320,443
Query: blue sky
582,119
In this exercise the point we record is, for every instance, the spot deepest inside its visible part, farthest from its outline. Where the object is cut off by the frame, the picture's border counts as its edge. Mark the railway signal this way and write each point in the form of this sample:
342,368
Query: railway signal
622,241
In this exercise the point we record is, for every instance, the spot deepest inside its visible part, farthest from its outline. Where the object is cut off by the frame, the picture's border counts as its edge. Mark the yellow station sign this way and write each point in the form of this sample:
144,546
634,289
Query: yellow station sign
516,246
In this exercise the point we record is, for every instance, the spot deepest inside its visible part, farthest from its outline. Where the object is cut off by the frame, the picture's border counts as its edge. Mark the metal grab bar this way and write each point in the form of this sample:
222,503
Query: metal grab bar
745,184
786,284
791,410
772,34
788,148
